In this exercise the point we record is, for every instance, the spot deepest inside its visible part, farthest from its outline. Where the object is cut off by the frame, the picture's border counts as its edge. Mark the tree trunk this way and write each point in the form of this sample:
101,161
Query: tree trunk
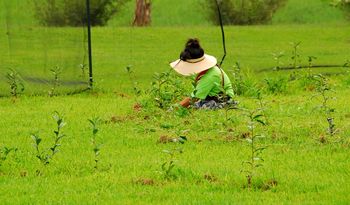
142,13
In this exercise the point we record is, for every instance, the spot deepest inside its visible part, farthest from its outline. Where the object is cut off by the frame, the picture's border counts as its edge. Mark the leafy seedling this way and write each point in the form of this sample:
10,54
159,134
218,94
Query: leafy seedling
250,166
56,72
277,57
167,89
45,156
173,155
323,90
132,78
95,122
4,152
295,58
83,67
15,82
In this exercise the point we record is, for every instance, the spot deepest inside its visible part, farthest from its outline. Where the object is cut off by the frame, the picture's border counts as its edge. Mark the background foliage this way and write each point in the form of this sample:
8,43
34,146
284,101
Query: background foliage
73,12
244,12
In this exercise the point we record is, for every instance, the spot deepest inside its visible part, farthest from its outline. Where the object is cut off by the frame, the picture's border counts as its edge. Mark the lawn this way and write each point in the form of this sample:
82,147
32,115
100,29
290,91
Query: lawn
303,162
308,165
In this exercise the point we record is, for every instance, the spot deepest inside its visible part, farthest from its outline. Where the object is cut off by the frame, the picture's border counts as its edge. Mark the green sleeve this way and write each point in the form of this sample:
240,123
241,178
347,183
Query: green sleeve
204,86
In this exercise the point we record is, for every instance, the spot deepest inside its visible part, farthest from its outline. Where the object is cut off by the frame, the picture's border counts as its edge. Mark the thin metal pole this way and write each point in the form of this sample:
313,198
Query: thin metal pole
222,33
89,42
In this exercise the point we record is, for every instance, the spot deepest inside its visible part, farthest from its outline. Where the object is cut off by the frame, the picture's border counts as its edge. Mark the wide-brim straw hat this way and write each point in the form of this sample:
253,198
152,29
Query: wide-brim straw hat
194,66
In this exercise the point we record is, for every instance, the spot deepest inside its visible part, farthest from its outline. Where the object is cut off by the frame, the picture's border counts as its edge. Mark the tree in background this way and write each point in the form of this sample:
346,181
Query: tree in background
73,12
244,12
142,13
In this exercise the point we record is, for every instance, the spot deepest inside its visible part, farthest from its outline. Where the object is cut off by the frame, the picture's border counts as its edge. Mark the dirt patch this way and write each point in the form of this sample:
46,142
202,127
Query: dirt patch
118,119
269,184
122,95
23,173
164,139
145,182
210,178
137,107
323,139
245,135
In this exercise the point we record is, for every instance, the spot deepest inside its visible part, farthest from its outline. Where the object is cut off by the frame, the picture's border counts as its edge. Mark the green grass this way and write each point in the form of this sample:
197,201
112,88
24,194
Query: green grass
306,170
308,12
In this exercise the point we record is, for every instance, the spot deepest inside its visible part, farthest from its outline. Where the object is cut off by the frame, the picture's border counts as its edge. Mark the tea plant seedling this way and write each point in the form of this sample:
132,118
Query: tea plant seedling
166,89
15,82
255,160
276,85
295,54
4,152
173,155
323,89
45,156
307,80
262,104
295,58
136,89
83,67
96,146
56,72
277,57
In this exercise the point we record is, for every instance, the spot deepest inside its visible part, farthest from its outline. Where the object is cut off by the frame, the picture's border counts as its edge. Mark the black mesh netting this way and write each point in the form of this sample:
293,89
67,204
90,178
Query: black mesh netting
40,57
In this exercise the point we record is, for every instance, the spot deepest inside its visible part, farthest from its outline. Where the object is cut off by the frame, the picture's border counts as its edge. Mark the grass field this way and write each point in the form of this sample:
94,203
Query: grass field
306,170
303,164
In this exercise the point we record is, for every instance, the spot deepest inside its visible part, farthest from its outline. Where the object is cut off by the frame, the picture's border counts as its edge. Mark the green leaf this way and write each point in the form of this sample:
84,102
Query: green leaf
257,116
247,162
259,149
250,141
260,121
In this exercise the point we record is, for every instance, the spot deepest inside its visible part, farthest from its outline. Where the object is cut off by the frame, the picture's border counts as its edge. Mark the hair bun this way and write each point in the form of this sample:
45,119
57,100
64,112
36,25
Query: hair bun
192,50
193,43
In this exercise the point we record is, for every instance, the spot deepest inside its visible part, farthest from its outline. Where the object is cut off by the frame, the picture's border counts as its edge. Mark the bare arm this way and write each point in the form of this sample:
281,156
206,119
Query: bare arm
185,102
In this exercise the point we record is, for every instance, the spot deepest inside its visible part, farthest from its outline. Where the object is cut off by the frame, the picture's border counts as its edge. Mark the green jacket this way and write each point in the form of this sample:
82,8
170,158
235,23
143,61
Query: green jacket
210,84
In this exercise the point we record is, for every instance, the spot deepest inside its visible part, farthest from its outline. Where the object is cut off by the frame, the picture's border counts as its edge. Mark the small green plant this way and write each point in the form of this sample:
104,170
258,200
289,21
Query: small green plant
306,79
96,146
136,89
56,72
295,54
45,156
277,57
262,104
173,155
242,84
83,67
15,82
4,152
167,89
295,59
249,167
276,85
323,90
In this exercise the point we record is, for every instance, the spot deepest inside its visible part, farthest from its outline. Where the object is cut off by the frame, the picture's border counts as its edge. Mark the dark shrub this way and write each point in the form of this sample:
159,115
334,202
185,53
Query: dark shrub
244,12
73,12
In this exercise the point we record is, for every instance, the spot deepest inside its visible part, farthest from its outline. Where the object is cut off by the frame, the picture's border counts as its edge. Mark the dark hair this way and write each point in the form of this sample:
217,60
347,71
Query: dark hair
193,50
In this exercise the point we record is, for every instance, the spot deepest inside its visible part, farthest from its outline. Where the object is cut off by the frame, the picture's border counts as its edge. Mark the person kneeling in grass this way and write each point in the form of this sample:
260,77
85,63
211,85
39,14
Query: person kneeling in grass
213,88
